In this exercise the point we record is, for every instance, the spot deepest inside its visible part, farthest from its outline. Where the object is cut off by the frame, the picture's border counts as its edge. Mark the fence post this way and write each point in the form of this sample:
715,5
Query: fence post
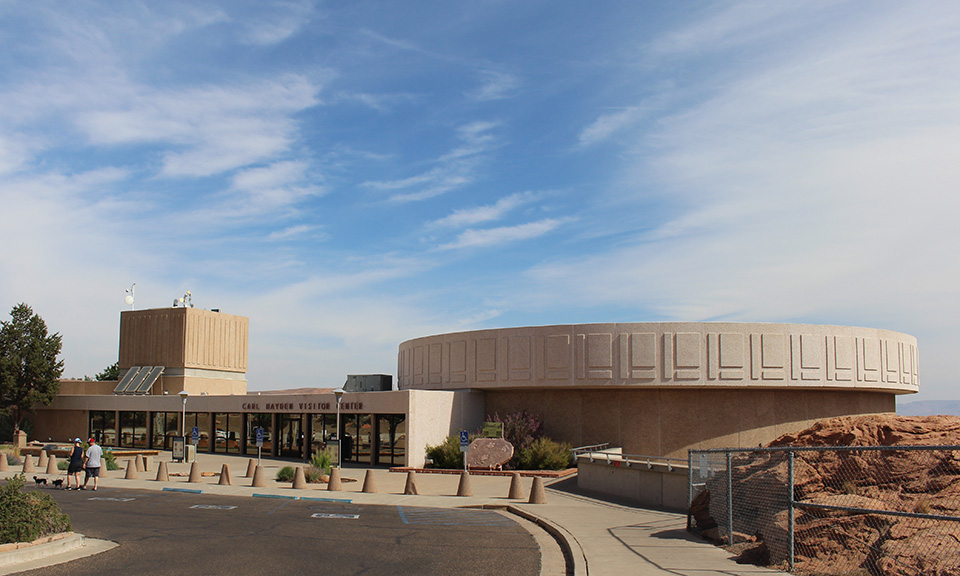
790,512
729,499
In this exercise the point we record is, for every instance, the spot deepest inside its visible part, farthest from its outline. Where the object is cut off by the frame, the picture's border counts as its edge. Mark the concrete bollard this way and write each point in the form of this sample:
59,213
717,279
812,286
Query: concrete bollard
3,462
464,488
52,465
131,471
334,482
537,494
251,468
162,475
410,489
258,478
28,464
369,483
42,462
299,480
195,475
225,479
516,487
103,468
138,463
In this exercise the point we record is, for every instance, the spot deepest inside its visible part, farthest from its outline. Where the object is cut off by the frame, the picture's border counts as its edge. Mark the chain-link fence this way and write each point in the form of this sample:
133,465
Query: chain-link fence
843,510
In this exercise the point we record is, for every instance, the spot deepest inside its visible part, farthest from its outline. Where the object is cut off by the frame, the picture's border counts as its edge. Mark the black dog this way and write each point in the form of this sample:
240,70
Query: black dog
40,481
58,483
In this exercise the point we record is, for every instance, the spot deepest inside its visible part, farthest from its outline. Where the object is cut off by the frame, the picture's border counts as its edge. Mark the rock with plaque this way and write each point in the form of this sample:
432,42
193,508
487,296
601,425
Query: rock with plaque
489,453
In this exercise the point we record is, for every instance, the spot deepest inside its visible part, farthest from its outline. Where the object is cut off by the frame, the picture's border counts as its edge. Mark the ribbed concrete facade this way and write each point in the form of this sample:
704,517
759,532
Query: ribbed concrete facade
661,388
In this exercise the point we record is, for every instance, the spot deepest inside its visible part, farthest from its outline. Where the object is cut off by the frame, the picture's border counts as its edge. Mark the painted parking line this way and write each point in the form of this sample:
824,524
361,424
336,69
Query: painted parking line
335,515
451,517
110,499
212,507
184,490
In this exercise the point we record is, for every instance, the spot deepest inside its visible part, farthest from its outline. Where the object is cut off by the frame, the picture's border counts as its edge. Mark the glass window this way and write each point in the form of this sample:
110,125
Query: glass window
364,438
103,427
255,421
391,434
133,429
166,425
229,432
324,426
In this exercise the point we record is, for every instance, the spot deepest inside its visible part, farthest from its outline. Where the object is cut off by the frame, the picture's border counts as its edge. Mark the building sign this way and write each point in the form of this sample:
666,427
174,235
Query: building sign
297,406
178,442
492,430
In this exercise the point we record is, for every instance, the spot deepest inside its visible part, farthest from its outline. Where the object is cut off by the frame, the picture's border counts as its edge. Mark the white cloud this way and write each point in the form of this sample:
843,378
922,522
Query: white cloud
606,125
503,235
471,216
496,85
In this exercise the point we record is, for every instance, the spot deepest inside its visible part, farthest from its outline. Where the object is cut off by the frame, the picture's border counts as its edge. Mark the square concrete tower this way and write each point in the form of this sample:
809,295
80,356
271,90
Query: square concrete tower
201,351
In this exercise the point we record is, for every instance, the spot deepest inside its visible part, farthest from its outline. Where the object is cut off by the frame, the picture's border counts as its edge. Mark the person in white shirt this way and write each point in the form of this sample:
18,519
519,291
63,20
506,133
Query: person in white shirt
91,464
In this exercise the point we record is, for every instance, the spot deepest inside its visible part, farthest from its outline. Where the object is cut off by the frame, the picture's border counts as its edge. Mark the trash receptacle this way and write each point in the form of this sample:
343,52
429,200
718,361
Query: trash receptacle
347,445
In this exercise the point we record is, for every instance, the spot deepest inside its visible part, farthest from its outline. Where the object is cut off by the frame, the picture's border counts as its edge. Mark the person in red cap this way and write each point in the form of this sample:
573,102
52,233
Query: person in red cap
91,464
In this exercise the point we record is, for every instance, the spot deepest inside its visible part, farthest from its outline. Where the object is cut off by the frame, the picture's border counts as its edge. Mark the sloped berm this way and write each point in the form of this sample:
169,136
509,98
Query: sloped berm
840,542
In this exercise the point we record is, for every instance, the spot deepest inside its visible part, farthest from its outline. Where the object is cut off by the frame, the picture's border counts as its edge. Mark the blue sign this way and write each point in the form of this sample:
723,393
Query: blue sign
464,440
259,437
195,435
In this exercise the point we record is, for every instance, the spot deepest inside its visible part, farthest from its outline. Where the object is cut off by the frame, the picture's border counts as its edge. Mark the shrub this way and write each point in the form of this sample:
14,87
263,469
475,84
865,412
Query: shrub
520,428
63,464
322,461
111,460
544,454
286,474
447,454
26,516
13,459
313,475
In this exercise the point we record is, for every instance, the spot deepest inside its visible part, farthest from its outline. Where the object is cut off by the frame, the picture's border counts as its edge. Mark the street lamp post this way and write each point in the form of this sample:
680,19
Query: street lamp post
339,394
183,415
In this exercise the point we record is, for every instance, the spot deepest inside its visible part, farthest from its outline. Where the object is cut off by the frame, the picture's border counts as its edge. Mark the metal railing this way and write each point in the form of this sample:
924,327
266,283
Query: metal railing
872,510
602,453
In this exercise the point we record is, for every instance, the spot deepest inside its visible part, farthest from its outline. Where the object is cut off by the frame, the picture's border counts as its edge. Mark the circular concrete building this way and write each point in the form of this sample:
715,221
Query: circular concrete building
659,389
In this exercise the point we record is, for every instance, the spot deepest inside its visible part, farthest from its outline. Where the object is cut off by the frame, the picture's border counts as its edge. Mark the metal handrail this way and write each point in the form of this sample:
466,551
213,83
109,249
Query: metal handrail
630,460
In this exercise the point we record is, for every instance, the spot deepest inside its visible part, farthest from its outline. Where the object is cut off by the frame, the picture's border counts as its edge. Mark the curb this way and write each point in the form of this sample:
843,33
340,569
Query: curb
573,554
42,548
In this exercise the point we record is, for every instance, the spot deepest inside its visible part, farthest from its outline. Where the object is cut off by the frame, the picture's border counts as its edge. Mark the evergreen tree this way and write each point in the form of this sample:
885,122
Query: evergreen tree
29,369
111,372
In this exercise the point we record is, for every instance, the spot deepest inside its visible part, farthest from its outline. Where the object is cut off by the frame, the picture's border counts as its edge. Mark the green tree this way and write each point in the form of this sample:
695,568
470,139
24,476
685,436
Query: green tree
111,372
29,369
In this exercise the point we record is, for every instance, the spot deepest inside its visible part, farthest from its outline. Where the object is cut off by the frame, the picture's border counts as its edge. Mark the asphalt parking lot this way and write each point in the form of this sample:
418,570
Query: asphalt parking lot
184,533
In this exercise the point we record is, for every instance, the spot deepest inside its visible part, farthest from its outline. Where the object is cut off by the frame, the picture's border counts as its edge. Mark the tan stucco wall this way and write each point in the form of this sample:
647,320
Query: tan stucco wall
59,425
183,338
87,386
668,422
663,355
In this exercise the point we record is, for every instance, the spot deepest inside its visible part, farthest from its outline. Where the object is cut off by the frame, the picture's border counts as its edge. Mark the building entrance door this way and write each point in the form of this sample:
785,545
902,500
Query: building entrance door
291,435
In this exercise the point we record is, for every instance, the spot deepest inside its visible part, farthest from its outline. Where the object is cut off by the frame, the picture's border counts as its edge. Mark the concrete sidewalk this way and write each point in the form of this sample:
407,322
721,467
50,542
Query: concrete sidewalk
600,537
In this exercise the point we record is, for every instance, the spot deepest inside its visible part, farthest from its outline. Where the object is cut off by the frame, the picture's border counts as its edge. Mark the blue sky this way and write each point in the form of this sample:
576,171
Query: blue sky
352,175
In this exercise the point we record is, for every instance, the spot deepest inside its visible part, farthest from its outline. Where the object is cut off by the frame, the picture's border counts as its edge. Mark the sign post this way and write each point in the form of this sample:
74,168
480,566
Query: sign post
194,440
259,444
464,446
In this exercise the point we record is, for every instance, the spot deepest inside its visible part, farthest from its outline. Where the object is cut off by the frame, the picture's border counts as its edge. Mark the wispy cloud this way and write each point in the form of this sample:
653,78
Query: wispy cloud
496,85
497,236
489,213
454,169
606,125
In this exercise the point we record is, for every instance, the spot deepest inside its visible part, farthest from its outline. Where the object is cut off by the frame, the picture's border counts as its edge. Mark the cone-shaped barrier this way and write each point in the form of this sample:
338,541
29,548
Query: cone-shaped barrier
162,475
516,488
259,481
225,479
334,482
369,483
537,494
251,468
3,462
299,480
138,463
103,468
194,472
28,464
52,465
464,489
411,486
42,462
131,471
